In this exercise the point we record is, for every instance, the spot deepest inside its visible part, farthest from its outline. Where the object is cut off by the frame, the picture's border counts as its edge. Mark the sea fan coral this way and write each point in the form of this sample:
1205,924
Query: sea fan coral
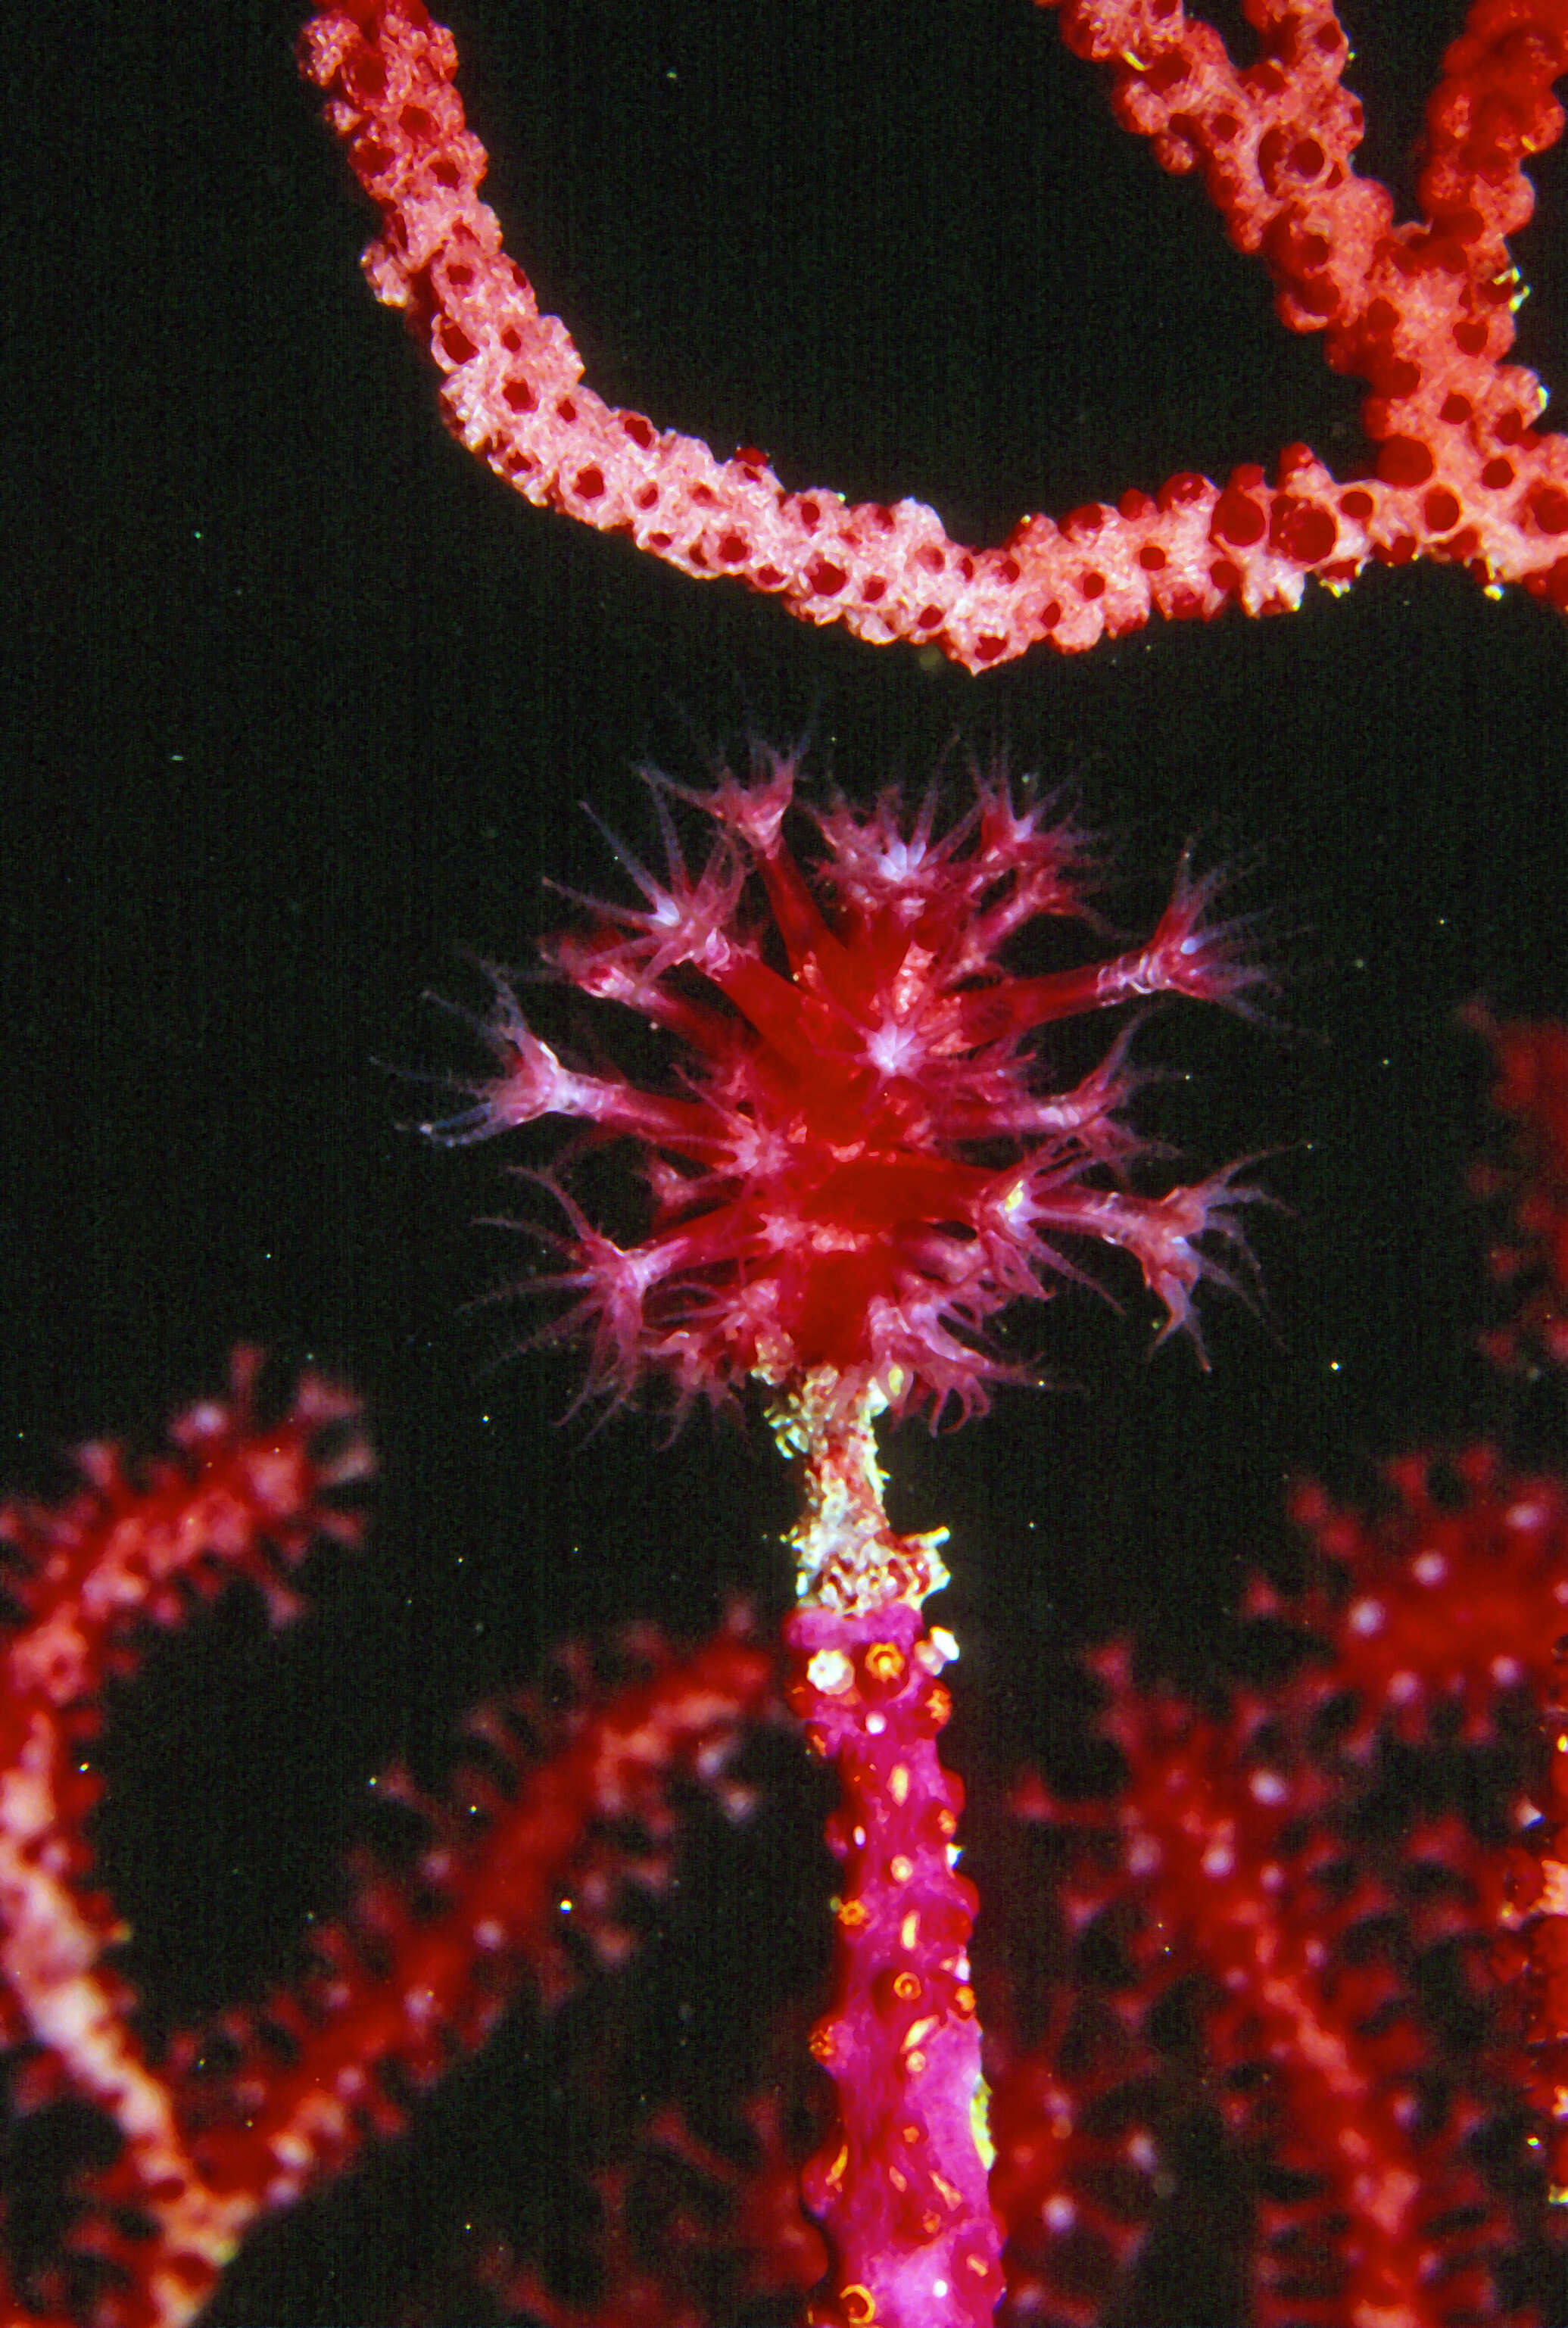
860,1160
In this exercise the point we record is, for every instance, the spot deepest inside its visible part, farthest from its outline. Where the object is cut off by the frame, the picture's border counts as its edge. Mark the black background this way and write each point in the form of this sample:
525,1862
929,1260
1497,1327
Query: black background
299,704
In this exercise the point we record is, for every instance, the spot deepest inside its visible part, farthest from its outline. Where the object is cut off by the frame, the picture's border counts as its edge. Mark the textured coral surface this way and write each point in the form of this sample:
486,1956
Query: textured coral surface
1458,468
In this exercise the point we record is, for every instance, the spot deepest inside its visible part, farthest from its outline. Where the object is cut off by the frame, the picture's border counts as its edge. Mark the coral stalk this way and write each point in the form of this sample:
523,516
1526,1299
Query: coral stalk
901,2182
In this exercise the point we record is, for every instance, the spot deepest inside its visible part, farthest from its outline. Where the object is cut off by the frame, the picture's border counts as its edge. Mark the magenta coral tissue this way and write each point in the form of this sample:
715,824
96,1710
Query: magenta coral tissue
858,1161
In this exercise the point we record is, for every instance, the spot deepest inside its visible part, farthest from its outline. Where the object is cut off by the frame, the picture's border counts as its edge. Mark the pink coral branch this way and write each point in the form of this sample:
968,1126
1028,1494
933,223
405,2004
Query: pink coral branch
1459,470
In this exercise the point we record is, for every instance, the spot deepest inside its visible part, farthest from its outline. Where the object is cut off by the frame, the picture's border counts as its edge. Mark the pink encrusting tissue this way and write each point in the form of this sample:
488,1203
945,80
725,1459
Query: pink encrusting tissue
857,1162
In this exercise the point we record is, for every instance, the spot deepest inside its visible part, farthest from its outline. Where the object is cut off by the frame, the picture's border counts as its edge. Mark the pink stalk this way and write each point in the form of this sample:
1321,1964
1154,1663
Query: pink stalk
901,2182
1457,468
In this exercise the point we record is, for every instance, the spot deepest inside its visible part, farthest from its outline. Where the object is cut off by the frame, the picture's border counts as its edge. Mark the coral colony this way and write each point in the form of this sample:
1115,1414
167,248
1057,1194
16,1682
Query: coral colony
1245,1950
858,1160
860,1165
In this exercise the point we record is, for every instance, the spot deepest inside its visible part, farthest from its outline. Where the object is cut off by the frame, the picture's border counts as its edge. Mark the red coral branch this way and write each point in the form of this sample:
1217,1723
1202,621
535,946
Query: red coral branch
232,2123
1239,1864
1531,1263
421,1972
237,1497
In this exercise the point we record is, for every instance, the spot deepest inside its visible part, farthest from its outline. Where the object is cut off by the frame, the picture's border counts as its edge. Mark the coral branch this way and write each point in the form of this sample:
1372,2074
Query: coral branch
1459,470
1531,1262
522,1853
230,2124
237,1497
1241,1863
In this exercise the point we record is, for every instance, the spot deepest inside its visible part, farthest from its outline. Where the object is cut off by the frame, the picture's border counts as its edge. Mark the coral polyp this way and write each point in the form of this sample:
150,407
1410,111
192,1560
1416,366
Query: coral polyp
861,1159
